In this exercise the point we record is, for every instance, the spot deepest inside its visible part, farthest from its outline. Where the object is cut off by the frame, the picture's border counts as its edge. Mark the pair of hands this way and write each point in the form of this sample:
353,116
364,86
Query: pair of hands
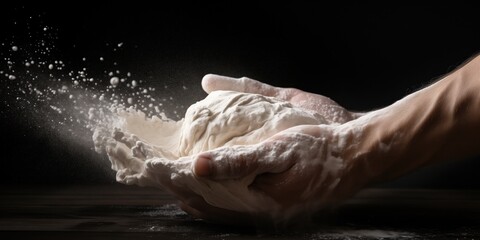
315,172
314,166
301,169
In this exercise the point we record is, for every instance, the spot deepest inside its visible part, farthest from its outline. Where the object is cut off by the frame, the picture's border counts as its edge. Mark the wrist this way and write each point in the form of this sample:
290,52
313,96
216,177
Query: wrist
437,123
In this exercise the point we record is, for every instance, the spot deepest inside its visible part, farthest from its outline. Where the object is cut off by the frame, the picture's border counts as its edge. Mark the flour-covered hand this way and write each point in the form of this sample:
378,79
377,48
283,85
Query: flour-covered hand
329,109
302,169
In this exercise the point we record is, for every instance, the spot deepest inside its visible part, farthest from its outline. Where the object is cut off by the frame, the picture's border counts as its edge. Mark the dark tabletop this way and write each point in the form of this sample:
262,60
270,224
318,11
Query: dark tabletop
130,212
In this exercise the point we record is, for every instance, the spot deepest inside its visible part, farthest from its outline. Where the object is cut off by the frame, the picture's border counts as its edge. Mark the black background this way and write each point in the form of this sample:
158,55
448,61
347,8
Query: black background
364,56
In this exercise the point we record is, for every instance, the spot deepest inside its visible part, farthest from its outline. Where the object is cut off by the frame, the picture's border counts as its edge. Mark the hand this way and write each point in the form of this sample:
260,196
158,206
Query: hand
301,169
137,162
328,108
326,163
294,172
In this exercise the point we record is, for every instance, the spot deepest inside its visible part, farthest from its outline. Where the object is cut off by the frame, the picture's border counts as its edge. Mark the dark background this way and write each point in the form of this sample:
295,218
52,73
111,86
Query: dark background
364,56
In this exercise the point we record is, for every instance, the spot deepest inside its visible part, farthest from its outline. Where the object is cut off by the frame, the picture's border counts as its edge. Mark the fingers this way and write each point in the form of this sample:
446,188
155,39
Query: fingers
192,211
121,159
212,82
241,161
128,139
198,208
161,172
203,166
227,163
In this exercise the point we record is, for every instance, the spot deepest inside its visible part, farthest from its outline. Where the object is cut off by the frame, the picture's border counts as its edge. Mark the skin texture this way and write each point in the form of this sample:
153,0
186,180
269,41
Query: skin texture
282,178
438,123
328,163
324,105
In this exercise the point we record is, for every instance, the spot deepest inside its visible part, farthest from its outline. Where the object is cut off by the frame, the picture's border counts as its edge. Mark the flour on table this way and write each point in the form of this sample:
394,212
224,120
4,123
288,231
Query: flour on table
160,152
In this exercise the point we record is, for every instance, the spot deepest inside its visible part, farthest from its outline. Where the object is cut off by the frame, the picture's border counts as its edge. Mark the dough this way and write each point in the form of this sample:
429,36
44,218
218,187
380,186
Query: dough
160,152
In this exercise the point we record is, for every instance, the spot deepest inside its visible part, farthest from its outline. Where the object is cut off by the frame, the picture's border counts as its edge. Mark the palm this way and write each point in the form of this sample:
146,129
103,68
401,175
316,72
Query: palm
300,180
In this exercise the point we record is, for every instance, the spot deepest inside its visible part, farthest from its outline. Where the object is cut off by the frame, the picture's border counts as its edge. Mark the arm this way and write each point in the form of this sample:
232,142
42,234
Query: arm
333,162
440,122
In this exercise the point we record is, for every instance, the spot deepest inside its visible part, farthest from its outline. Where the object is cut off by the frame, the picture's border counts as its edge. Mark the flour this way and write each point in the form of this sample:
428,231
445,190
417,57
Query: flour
130,124
158,151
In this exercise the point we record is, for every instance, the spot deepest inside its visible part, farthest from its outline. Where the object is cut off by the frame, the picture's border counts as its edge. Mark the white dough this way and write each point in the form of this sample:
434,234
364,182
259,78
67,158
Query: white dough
160,152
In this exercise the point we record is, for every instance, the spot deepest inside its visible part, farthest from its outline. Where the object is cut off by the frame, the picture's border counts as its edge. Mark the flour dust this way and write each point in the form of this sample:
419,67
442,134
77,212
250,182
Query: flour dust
47,91
129,122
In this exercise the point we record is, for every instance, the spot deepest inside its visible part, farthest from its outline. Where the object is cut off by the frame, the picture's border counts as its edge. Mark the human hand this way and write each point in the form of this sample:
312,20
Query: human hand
302,169
434,124
138,163
307,156
329,109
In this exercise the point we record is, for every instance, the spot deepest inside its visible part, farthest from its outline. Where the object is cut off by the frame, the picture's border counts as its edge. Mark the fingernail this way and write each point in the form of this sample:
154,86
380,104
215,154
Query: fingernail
203,166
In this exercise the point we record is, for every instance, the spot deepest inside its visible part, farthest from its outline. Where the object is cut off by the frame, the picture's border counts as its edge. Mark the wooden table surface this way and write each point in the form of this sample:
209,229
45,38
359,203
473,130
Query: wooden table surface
130,212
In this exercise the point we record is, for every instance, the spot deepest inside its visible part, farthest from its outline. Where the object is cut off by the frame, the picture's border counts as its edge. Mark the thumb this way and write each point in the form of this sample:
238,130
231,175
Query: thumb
241,161
228,163
212,82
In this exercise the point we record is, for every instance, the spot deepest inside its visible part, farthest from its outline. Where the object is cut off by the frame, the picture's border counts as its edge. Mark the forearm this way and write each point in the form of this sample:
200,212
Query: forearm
440,122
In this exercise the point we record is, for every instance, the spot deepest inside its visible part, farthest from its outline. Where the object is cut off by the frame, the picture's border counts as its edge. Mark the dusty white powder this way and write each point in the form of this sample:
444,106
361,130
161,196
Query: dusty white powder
158,151
155,150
